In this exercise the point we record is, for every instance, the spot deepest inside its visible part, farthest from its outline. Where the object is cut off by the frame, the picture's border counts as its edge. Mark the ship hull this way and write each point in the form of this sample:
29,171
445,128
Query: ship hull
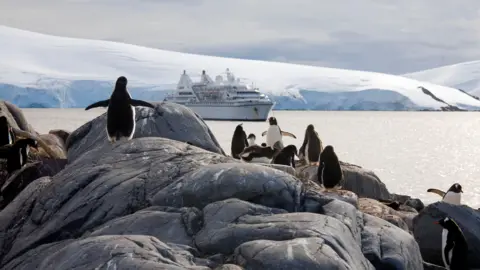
232,112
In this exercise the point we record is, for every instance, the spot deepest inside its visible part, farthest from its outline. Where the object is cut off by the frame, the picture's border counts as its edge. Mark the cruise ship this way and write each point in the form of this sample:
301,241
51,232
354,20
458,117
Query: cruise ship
223,99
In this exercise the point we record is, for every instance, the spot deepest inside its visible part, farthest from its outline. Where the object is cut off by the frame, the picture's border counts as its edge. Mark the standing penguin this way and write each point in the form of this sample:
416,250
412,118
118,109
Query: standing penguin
120,112
239,141
453,195
454,245
6,133
286,156
311,147
251,139
274,133
329,171
17,154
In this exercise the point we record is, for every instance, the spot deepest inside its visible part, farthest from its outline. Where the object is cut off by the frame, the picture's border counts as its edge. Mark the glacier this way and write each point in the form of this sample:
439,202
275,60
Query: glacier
44,71
464,76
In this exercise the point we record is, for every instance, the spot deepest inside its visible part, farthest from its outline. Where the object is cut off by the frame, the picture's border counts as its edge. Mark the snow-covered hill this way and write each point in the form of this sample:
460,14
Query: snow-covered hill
465,76
38,70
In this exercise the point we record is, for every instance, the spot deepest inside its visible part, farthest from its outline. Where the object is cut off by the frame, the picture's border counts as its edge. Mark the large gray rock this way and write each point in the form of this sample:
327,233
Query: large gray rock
429,235
167,120
389,247
364,183
211,183
110,252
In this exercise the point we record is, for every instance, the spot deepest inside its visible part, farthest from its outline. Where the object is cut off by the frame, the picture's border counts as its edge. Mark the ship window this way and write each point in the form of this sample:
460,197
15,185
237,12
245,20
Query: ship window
184,93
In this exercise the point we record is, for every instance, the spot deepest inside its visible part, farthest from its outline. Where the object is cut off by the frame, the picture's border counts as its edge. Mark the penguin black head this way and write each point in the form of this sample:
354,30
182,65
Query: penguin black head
121,83
290,149
272,121
448,223
239,128
251,135
328,149
24,142
3,120
457,188
310,128
264,145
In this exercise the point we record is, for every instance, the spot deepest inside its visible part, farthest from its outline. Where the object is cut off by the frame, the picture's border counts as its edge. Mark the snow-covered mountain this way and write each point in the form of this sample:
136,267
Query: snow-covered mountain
465,76
38,70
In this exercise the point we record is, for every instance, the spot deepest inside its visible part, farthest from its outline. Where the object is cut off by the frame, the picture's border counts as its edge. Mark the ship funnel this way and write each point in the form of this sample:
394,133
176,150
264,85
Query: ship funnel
185,81
230,76
206,78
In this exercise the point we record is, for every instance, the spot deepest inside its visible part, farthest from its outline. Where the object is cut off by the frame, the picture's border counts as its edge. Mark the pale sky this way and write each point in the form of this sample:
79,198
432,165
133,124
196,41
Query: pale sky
376,35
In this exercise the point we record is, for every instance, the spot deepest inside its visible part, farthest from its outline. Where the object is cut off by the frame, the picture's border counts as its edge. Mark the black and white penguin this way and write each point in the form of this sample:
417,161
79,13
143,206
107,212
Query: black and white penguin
453,195
251,139
17,154
120,112
275,133
286,156
311,147
6,133
454,245
258,154
239,141
329,171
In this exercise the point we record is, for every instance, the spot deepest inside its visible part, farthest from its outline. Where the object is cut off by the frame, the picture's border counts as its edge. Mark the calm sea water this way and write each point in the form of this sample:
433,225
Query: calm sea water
409,151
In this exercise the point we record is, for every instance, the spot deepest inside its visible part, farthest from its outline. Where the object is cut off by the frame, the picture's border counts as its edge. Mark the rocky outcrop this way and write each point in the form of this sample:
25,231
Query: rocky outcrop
363,182
168,120
164,203
429,235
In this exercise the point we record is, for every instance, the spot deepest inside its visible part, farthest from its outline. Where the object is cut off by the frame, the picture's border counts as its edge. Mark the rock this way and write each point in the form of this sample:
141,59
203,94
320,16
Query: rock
429,235
388,247
62,135
55,143
380,210
229,267
177,226
363,182
168,120
249,182
417,204
283,168
26,175
112,251
301,253
15,117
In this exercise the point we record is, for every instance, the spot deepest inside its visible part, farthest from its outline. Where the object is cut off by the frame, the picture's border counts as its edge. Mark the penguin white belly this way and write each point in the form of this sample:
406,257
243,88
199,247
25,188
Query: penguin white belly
444,243
261,160
134,123
306,153
452,197
273,135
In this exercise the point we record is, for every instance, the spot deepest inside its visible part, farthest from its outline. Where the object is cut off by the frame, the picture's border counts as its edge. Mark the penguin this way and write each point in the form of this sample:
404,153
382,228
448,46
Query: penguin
17,154
311,147
6,133
120,112
454,245
329,171
239,141
452,196
274,133
258,154
251,139
286,156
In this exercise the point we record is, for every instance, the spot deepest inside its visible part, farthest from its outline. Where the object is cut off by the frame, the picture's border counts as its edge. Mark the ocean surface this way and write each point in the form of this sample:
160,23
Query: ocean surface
409,151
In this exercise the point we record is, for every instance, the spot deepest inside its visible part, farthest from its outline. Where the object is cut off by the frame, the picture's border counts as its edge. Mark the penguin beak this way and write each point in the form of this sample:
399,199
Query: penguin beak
461,191
436,222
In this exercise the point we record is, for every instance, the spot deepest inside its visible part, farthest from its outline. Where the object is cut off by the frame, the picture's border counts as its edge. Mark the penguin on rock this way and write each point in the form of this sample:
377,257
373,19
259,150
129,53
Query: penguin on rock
274,133
454,245
452,196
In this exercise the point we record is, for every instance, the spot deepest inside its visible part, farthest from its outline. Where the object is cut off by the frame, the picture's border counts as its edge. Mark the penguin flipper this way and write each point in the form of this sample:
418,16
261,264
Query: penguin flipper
436,191
136,102
264,133
286,133
101,103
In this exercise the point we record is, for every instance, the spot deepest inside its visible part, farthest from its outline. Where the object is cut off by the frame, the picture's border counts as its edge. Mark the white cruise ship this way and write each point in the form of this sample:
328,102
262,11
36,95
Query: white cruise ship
222,99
